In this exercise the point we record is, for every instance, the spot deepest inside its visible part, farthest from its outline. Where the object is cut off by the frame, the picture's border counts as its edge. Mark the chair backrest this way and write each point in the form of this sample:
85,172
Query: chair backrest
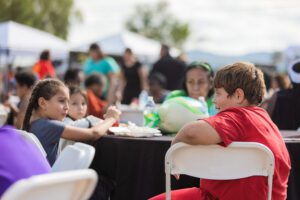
34,140
74,157
71,185
89,151
238,160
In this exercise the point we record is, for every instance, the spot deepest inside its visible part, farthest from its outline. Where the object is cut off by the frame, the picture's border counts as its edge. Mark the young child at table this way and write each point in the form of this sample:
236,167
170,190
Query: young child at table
48,106
94,85
239,88
77,114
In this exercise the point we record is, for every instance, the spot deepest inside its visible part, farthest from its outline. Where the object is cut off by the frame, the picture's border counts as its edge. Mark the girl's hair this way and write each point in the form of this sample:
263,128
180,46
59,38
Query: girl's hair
199,65
44,88
77,90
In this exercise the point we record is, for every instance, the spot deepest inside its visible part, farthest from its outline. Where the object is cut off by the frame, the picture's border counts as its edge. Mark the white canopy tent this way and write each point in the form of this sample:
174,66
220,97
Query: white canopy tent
21,45
147,50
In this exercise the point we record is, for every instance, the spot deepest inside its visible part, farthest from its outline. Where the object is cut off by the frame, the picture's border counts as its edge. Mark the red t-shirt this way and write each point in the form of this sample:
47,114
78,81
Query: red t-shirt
95,105
250,124
44,68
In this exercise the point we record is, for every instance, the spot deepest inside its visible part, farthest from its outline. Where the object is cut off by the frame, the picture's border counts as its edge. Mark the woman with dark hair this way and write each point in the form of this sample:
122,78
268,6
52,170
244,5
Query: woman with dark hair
44,68
105,65
197,82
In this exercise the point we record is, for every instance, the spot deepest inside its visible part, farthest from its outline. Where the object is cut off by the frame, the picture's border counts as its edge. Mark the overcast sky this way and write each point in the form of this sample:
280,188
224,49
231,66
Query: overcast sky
218,26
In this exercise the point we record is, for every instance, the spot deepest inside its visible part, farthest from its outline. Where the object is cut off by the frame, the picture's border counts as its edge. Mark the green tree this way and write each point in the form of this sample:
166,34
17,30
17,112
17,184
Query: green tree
53,16
155,21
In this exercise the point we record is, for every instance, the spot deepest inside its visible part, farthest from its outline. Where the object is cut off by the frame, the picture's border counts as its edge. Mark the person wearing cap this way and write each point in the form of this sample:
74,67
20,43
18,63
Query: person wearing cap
284,108
197,82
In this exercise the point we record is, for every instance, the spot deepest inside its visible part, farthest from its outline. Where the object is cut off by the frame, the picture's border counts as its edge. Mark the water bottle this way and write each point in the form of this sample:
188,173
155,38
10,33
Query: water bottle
203,106
143,98
151,117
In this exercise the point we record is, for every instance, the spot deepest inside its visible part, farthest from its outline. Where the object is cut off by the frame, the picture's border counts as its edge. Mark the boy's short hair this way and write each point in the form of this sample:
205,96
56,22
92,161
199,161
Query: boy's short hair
25,78
242,75
94,79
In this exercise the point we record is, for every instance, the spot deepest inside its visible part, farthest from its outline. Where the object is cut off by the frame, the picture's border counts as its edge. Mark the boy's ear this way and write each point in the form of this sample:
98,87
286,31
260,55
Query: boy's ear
42,103
240,95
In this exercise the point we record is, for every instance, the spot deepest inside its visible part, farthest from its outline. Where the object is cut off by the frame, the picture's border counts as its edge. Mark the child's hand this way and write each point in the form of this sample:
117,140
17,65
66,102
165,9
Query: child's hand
112,112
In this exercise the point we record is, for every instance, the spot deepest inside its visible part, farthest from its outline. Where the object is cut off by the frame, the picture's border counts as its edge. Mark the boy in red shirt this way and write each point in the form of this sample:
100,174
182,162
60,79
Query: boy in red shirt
239,88
94,86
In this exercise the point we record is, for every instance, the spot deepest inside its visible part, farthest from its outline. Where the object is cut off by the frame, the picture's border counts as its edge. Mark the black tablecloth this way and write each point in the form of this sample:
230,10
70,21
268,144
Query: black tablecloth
293,192
134,168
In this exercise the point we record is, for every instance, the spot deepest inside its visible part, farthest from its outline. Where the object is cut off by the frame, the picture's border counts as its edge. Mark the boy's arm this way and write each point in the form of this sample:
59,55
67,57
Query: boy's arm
198,132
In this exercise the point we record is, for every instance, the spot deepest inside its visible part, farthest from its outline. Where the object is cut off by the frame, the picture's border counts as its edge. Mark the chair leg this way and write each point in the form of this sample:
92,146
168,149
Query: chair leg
270,183
168,186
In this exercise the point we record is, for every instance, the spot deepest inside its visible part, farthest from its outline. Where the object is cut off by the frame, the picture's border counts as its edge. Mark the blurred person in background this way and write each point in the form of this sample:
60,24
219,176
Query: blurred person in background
94,85
277,82
74,77
197,82
284,107
25,81
183,58
44,68
133,77
281,82
105,65
157,85
171,68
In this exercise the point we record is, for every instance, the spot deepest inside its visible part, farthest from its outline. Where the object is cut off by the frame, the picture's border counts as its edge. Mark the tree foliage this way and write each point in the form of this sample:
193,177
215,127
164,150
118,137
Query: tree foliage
53,16
155,21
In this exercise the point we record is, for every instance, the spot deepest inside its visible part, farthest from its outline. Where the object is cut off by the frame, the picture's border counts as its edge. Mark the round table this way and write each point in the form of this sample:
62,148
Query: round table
133,168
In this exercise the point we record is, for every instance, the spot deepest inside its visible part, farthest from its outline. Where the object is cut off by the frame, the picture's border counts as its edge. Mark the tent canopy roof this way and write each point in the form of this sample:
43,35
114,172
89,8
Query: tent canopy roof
116,44
21,38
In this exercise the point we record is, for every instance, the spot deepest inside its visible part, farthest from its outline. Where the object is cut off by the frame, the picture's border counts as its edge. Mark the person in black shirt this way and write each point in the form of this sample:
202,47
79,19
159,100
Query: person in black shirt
133,77
171,68
284,107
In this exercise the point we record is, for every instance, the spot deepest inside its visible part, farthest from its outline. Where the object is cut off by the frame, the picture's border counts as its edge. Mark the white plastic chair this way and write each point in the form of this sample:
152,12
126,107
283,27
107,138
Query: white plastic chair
34,140
238,160
89,151
77,156
71,185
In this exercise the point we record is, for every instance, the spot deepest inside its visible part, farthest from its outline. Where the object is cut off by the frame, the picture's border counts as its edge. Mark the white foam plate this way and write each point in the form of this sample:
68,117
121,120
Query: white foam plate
135,131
